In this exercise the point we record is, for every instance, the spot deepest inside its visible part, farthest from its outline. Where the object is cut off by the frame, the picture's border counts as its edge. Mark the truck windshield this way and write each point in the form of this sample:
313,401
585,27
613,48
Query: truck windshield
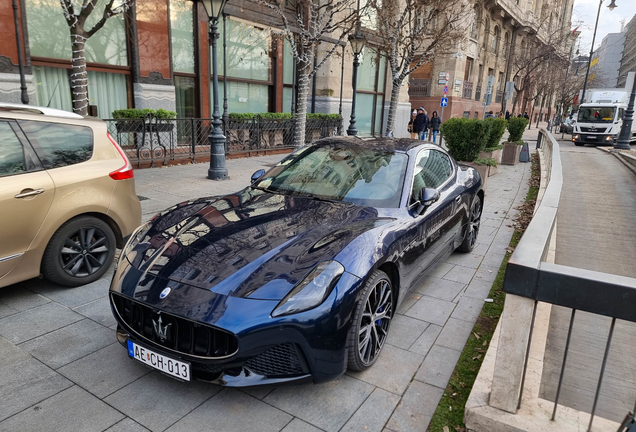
596,114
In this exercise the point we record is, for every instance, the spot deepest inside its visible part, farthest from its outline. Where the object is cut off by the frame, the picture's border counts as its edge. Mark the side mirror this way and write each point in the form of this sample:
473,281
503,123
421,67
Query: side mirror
427,197
258,174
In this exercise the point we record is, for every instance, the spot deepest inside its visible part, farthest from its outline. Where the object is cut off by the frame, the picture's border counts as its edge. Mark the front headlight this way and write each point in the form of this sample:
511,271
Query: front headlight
311,290
137,236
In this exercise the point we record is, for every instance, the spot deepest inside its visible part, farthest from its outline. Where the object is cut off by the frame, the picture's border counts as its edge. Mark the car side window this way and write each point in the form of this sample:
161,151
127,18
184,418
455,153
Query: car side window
12,159
432,169
58,145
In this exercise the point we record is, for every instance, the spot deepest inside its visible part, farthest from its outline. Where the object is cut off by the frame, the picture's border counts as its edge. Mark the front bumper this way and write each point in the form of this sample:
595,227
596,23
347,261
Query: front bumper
598,139
308,346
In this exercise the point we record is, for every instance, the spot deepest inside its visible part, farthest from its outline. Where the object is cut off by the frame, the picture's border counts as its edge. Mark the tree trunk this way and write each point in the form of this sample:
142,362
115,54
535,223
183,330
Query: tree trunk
540,111
79,78
300,121
395,96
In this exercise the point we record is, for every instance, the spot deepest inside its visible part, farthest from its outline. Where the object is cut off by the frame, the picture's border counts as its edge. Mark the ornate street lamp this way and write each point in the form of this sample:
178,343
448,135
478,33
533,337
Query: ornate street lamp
357,41
625,135
612,5
217,170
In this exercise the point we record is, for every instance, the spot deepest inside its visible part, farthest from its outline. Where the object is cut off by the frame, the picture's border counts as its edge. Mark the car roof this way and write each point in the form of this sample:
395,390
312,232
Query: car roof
399,145
33,109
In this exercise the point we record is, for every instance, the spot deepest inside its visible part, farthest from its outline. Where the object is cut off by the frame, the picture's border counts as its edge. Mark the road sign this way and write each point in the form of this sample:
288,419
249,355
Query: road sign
444,102
447,76
445,89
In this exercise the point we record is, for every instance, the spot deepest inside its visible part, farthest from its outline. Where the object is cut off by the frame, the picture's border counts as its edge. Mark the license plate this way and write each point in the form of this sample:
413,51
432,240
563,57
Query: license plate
176,368
591,137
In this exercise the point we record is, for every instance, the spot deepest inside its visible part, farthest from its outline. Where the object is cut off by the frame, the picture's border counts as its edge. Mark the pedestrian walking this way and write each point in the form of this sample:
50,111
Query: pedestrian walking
425,125
526,116
434,125
490,114
507,115
411,123
419,124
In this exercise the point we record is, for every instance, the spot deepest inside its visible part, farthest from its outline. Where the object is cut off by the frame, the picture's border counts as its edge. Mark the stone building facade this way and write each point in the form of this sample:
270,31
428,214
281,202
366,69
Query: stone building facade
628,60
496,30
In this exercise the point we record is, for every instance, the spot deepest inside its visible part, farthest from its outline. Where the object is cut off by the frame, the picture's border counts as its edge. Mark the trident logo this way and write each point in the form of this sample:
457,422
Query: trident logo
162,332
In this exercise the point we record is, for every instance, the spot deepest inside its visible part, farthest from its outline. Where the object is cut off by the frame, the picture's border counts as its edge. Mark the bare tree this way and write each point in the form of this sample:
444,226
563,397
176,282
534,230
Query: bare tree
312,23
76,13
412,33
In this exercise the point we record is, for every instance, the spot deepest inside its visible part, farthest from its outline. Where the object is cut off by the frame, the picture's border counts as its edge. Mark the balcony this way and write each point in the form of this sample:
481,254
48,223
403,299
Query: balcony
478,92
468,90
419,87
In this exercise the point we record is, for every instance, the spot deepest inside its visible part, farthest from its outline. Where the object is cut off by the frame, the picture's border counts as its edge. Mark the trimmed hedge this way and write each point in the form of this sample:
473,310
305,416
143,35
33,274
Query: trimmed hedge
488,161
497,129
516,127
136,113
465,138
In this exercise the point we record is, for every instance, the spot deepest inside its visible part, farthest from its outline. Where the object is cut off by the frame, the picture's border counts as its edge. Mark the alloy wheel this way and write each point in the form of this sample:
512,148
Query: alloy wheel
375,321
475,220
84,252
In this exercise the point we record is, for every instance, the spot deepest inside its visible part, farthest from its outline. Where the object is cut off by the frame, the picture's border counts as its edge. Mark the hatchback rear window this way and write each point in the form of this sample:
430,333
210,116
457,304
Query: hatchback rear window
58,145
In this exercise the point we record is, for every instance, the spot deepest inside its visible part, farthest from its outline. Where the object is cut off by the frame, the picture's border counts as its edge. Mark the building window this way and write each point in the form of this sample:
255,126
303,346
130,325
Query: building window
504,52
108,91
288,76
370,93
486,32
49,35
474,27
52,87
182,35
494,44
185,96
248,68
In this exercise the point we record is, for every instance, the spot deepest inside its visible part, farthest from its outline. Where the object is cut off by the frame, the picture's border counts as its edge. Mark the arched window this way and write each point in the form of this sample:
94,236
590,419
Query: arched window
504,52
494,44
486,32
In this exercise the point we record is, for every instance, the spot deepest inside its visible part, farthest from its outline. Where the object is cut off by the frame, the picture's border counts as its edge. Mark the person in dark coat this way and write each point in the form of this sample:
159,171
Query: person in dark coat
526,116
490,114
507,117
434,124
410,125
420,123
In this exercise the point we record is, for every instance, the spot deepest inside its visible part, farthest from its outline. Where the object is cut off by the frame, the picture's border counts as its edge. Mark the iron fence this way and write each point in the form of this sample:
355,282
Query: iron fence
153,140
419,87
468,90
529,275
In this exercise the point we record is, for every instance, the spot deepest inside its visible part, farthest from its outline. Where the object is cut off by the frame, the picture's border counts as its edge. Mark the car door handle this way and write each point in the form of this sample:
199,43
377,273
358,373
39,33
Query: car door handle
458,199
29,192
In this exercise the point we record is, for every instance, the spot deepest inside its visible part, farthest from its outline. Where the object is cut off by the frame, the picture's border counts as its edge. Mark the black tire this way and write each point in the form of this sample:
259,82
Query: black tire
472,231
377,295
79,252
579,144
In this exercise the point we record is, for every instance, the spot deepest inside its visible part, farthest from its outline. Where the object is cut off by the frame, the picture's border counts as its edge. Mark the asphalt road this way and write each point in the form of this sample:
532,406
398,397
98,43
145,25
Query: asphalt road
595,230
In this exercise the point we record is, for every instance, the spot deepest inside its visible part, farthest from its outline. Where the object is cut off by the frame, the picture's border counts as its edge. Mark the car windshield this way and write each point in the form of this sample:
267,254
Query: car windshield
344,173
596,114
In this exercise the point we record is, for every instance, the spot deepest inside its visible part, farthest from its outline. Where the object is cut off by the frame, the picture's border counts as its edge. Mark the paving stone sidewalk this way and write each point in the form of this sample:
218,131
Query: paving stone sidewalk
62,370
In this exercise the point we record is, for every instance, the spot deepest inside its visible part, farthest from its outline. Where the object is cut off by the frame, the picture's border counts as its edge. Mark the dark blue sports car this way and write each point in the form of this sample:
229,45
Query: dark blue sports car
297,276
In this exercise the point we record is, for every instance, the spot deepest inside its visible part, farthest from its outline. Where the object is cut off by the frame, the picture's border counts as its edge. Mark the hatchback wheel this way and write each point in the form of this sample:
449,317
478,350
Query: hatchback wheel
371,322
474,221
79,252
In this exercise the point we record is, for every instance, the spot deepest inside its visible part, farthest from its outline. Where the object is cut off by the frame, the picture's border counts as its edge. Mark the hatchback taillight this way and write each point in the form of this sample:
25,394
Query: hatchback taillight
124,172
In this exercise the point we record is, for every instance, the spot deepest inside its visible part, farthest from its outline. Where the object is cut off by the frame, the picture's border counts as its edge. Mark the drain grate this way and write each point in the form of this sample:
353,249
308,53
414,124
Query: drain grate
142,198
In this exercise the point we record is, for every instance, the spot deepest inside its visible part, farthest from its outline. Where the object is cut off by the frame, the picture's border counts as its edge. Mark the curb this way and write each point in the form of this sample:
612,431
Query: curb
617,154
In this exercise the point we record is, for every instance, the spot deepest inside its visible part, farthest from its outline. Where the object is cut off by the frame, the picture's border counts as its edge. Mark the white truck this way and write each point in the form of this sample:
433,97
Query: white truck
600,115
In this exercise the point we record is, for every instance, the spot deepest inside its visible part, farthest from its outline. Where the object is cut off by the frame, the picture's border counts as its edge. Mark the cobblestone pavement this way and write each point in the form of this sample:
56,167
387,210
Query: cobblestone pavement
62,369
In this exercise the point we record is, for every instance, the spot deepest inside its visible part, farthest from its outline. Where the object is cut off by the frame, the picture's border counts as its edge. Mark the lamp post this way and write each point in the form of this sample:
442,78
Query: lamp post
357,41
625,135
217,170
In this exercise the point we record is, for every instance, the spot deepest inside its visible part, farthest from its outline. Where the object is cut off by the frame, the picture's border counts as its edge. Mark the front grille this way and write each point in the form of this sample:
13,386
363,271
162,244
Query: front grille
282,360
597,130
180,335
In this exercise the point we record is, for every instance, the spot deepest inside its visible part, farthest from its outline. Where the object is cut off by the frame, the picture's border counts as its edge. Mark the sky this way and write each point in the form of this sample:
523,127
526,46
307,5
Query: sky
584,15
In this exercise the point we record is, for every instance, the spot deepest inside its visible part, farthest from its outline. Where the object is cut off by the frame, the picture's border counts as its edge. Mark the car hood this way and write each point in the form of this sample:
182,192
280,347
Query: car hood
251,244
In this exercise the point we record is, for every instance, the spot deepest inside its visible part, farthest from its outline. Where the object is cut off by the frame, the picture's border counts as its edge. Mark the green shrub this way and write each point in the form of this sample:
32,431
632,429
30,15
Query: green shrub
465,138
136,113
516,127
492,149
323,116
497,129
487,161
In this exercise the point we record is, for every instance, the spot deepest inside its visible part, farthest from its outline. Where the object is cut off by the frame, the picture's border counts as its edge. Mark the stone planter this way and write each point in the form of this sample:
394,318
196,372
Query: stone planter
484,171
496,155
510,154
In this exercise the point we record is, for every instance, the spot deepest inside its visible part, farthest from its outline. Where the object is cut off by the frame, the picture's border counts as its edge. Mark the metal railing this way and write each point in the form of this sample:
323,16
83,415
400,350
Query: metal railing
468,90
153,140
419,87
478,92
529,275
